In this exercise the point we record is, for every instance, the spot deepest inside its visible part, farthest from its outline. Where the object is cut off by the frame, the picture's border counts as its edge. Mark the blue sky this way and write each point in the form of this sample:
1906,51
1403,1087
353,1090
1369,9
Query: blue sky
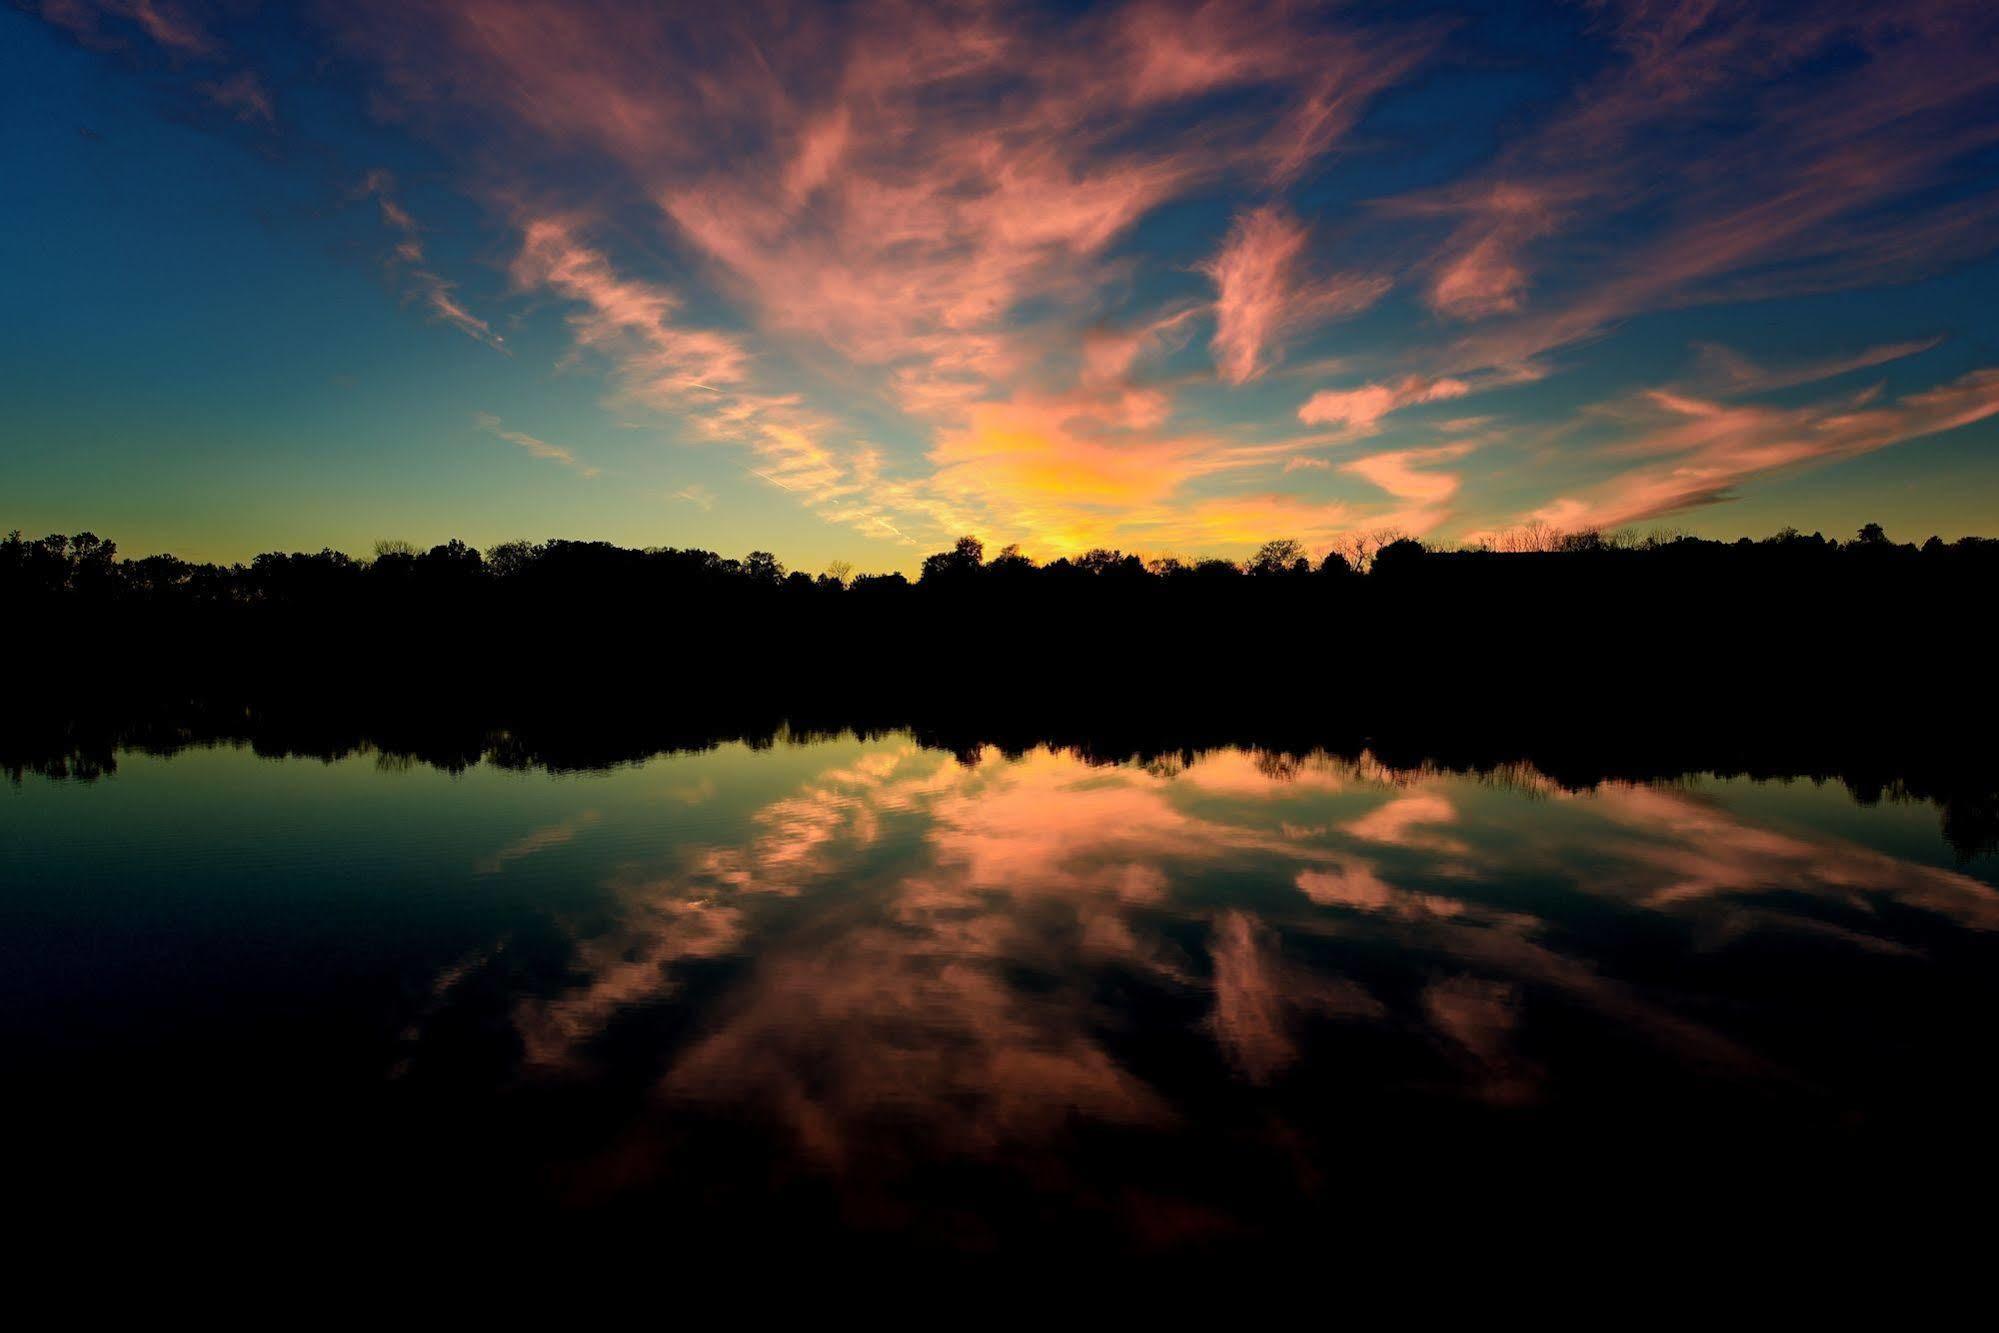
846,281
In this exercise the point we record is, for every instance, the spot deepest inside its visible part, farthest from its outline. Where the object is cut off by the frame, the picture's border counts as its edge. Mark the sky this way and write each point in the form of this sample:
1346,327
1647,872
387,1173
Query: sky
846,281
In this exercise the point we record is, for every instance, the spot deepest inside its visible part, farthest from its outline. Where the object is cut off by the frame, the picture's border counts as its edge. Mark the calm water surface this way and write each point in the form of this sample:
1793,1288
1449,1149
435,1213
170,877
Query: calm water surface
869,991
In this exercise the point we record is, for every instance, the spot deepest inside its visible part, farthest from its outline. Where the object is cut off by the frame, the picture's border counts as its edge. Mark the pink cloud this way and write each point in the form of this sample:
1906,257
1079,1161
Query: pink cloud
1361,410
658,360
1733,374
1485,278
701,375
1261,295
1712,447
166,24
1482,270
1794,190
1111,356
1409,474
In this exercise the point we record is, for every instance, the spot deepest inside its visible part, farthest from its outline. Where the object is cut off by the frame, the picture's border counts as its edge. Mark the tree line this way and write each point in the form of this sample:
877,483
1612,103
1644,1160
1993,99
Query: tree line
85,568
1568,629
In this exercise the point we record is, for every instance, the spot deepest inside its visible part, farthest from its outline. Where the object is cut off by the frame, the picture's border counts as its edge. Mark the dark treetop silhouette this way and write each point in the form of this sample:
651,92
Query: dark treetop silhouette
1794,653
1788,612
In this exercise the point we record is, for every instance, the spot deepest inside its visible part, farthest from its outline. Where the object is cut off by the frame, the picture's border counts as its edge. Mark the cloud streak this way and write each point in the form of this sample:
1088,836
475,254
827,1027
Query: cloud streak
1261,295
1708,448
553,453
422,281
165,24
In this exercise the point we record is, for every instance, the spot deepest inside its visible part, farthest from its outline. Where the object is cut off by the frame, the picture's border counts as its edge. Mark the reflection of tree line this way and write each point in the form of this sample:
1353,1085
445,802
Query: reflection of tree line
1588,655
1957,771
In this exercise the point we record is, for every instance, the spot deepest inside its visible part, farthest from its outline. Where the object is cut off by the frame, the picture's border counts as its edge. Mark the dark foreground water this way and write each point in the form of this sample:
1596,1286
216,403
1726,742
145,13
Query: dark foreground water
862,994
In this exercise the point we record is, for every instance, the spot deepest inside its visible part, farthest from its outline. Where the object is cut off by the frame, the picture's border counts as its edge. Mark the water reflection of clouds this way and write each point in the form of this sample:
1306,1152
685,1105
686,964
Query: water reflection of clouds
538,840
1408,821
1697,852
1478,1018
961,945
1260,998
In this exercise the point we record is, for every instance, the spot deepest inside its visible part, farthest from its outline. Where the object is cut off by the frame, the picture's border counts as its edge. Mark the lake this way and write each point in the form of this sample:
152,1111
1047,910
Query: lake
851,991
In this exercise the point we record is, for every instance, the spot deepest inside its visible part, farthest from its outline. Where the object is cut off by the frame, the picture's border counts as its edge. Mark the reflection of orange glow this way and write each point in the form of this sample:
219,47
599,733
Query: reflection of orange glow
1045,824
888,1018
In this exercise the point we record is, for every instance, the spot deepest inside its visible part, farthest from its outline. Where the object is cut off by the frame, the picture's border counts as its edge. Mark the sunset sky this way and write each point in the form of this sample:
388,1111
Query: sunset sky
844,281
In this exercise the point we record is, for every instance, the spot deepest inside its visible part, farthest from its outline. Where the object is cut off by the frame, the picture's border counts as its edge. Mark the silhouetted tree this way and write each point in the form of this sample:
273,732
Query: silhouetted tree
1103,563
1010,563
1400,555
1284,556
513,559
453,554
961,561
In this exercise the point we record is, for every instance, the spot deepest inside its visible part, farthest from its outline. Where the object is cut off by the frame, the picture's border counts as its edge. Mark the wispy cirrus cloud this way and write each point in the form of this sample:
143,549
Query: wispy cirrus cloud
167,25
1787,194
702,375
1482,270
1263,294
658,359
1361,410
1730,373
554,453
1707,448
697,495
422,281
